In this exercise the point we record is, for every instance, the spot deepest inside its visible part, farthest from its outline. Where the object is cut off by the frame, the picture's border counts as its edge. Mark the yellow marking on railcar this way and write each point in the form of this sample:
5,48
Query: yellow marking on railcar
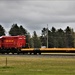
49,49
55,49
27,49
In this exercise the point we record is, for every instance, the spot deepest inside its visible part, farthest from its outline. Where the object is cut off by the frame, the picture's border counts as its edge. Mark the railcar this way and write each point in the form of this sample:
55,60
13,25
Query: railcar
57,50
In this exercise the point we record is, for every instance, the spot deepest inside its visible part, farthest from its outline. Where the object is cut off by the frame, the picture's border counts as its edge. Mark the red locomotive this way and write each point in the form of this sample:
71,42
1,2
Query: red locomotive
12,43
15,44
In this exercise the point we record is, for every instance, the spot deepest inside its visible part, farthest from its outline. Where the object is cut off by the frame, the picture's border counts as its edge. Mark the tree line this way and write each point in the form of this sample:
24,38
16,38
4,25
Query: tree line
57,38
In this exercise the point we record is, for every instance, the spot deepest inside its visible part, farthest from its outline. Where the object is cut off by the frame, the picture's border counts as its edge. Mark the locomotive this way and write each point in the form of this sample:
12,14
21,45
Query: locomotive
16,44
12,44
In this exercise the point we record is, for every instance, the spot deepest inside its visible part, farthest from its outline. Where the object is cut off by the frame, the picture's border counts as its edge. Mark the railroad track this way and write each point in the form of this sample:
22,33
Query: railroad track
48,55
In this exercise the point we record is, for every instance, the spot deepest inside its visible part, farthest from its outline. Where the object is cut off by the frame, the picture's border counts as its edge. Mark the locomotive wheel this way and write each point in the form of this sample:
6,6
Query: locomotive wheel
39,53
18,53
35,53
30,53
3,53
7,52
13,53
23,53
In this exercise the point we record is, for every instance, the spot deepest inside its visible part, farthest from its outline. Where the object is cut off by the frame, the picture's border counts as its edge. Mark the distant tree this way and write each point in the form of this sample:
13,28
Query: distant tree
61,38
50,39
36,40
74,39
28,39
44,37
15,30
44,32
2,30
53,30
54,37
69,37
68,30
58,38
23,31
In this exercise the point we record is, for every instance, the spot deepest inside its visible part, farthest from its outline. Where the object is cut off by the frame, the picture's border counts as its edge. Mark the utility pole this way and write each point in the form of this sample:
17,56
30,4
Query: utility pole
47,35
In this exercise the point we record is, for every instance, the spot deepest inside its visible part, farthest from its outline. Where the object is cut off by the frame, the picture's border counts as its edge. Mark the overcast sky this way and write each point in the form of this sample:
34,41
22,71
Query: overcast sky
36,14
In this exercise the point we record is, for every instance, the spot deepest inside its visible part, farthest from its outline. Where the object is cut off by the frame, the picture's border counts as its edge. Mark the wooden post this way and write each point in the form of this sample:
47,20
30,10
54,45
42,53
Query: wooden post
6,61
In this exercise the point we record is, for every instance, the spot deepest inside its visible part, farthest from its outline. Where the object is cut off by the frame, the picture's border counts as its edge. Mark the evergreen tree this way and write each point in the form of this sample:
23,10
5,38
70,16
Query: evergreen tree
58,38
69,37
2,30
22,30
15,30
36,40
61,38
44,37
54,37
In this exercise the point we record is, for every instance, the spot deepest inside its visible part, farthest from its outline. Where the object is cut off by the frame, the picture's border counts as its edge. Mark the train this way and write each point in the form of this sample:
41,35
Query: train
17,44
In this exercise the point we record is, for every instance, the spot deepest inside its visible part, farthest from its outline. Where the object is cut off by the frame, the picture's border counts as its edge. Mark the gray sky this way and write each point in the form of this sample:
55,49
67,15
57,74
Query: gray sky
36,14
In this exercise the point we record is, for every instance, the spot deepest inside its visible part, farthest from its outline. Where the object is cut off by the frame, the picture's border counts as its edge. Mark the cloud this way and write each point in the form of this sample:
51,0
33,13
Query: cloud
36,14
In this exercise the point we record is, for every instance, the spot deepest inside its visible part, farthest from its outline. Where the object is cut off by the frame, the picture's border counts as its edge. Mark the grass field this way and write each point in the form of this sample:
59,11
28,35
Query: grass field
36,66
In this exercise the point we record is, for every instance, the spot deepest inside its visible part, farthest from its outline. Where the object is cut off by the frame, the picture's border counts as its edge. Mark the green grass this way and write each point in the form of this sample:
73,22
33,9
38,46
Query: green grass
36,66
